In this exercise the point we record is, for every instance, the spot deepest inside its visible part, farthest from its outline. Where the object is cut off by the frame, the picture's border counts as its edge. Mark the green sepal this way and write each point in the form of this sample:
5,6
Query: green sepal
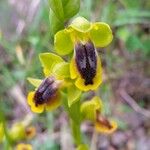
49,60
101,34
62,42
34,82
73,94
61,70
89,108
81,24
57,7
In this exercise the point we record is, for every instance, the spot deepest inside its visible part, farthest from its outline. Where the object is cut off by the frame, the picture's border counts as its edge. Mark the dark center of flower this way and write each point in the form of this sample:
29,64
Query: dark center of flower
103,121
86,61
46,91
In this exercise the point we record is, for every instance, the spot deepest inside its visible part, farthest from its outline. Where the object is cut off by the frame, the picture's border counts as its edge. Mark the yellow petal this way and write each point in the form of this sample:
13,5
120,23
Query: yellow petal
100,127
54,103
36,109
73,69
30,98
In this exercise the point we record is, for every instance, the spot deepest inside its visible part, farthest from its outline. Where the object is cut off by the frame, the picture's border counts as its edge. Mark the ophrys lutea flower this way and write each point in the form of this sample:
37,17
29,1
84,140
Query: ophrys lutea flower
46,96
82,37
92,110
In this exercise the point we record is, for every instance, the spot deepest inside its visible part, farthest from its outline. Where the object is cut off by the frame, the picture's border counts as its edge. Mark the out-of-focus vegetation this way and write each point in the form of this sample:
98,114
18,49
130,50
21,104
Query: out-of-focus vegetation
24,33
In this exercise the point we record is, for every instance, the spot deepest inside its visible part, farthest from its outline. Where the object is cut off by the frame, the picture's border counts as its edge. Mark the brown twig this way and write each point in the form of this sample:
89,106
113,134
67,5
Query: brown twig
131,102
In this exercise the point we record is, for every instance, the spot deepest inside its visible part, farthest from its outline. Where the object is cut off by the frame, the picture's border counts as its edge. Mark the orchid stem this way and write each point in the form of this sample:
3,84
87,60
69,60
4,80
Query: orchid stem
76,132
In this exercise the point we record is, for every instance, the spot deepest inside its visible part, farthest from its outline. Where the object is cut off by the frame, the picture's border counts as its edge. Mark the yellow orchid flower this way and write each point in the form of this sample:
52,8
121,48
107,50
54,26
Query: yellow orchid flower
91,110
46,96
82,37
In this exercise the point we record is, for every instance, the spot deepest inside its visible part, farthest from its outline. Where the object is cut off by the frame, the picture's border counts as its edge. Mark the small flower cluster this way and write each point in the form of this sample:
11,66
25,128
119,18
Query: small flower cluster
82,72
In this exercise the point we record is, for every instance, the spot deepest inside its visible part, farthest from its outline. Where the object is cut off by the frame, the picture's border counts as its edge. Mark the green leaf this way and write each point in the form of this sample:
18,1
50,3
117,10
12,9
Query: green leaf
133,43
123,33
55,23
131,4
49,60
71,8
73,94
62,42
81,24
57,7
64,2
61,70
34,82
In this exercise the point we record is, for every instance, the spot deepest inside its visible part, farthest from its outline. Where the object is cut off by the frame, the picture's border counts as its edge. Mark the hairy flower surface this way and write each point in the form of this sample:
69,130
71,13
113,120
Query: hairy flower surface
82,37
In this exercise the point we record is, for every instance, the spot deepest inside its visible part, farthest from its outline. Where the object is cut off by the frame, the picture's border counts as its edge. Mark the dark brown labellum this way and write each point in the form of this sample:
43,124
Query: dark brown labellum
46,91
86,61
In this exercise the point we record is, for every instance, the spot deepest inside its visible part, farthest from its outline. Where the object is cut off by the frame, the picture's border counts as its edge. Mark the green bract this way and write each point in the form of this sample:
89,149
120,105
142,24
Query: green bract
60,12
73,94
82,30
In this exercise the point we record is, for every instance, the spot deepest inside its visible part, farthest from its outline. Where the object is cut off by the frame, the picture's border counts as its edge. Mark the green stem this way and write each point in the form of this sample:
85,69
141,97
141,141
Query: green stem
76,132
75,119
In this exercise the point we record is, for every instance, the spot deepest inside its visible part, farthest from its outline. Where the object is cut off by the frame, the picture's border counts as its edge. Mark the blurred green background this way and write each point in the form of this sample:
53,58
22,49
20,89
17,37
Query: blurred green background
24,33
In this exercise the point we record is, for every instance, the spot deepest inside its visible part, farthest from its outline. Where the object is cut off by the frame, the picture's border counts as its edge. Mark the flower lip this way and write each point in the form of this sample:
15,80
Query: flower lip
86,61
104,122
46,91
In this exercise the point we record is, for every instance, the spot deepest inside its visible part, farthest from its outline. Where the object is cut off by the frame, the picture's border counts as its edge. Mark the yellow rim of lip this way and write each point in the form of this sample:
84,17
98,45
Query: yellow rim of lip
99,127
97,80
53,104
